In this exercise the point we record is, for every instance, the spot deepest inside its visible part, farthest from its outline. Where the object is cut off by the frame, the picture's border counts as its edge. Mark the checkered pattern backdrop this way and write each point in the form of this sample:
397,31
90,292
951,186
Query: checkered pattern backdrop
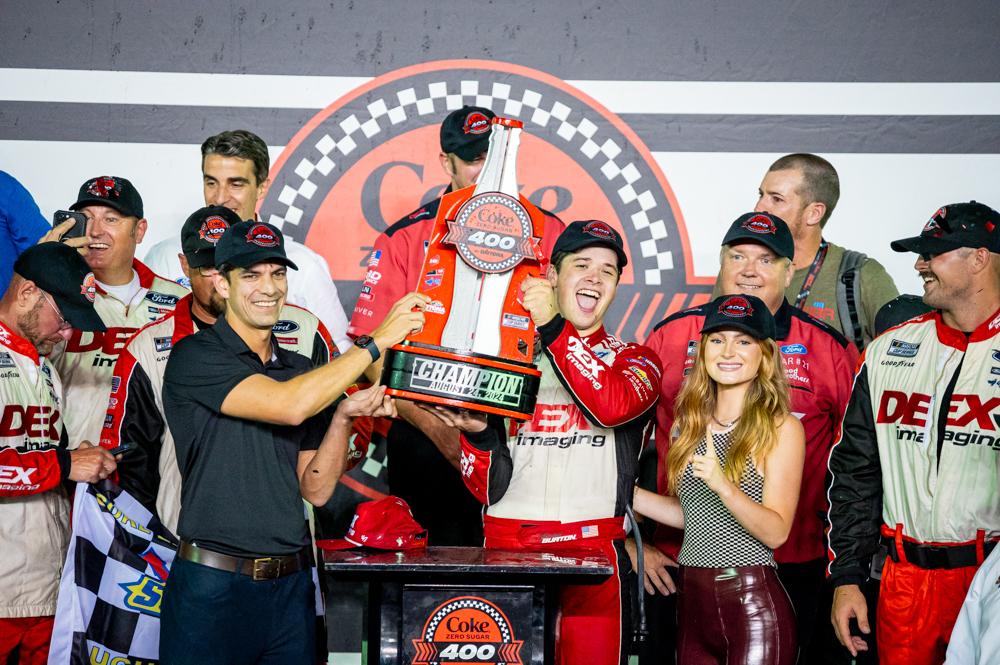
527,105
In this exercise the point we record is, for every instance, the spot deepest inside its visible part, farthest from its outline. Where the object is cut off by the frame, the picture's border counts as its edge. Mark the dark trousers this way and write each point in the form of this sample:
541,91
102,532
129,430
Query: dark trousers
812,599
211,616
804,584
660,645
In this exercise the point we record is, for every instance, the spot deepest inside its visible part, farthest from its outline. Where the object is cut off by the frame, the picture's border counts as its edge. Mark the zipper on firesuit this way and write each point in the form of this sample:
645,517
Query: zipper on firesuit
946,410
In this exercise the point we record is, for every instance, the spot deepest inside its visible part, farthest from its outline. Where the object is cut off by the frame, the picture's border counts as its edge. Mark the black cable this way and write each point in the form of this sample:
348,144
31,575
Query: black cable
642,631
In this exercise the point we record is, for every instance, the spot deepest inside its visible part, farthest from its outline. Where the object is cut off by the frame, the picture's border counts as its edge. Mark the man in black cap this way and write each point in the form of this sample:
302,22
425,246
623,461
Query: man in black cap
819,363
252,442
425,454
135,410
127,297
51,293
563,480
916,469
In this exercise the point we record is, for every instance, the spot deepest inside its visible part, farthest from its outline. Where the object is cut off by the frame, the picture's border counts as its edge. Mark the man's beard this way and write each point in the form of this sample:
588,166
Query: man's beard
216,305
29,326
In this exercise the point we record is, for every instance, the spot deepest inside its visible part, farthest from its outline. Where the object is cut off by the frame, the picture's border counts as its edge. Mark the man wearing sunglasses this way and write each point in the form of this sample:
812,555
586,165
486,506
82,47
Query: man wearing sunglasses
51,294
135,410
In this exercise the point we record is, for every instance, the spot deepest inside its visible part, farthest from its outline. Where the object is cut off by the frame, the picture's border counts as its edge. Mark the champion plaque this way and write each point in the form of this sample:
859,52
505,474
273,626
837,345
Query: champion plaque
476,349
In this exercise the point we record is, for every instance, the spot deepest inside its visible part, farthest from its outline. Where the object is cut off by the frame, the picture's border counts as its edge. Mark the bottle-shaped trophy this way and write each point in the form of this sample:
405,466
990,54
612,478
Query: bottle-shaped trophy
476,348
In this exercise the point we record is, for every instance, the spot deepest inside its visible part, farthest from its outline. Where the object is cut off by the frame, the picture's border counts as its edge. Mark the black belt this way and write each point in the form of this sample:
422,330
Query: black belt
261,568
937,557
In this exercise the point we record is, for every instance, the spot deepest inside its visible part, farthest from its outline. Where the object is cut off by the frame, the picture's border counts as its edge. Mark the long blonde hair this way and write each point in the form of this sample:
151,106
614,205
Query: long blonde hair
756,433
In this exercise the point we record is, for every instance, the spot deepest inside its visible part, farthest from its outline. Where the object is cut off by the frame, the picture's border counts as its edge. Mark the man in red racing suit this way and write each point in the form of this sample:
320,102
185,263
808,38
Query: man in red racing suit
563,480
918,458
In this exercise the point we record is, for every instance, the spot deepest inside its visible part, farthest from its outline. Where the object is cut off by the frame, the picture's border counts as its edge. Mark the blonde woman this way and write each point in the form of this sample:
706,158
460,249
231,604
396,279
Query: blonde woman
735,499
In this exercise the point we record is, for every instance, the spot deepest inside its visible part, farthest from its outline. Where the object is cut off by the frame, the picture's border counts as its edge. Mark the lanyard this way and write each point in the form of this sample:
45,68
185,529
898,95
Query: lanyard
800,301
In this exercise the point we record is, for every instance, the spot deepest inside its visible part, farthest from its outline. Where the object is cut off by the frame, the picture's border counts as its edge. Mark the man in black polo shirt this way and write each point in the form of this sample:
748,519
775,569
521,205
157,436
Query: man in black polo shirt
251,443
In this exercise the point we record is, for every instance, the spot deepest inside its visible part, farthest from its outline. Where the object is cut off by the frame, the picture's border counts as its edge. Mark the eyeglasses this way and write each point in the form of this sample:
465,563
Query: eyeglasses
207,271
63,323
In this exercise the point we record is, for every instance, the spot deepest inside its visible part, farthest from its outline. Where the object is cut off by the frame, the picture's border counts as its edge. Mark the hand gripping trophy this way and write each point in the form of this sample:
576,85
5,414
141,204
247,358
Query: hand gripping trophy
476,348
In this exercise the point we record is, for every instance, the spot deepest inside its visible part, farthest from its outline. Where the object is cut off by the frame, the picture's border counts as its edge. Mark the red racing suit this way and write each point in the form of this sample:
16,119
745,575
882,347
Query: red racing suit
135,408
563,480
819,364
918,460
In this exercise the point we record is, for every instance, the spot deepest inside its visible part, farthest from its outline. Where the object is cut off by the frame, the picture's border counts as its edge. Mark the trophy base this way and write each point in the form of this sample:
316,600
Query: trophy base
461,379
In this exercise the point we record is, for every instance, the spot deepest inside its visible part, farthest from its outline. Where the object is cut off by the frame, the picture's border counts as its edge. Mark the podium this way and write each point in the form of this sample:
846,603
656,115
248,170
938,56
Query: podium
462,604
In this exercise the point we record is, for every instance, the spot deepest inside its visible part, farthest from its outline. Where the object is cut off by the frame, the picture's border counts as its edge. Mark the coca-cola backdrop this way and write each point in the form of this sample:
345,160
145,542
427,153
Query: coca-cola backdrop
659,118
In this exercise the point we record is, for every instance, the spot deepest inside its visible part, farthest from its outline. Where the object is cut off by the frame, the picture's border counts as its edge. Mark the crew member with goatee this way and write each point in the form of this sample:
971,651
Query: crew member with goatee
425,455
252,442
756,260
564,479
917,465
135,410
128,296
51,294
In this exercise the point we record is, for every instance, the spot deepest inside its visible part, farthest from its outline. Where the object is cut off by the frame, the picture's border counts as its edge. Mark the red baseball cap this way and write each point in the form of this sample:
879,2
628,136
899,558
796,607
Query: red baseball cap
386,524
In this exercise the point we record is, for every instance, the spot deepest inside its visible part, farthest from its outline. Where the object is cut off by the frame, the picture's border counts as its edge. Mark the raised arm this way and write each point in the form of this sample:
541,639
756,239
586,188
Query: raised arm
259,397
770,521
608,396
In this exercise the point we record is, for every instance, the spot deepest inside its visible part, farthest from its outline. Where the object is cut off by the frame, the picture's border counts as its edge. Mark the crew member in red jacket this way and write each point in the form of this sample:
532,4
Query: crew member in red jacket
564,479
425,454
819,364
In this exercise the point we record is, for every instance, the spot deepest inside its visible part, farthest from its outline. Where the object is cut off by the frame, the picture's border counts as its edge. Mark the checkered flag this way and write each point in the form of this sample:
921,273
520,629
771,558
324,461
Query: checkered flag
112,583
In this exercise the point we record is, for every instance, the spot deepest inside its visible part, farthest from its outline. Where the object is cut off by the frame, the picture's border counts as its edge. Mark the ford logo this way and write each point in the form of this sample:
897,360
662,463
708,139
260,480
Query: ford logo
793,350
161,298
996,356
285,327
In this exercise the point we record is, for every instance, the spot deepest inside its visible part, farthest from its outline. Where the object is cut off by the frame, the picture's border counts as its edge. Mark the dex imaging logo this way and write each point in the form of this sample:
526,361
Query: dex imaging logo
371,158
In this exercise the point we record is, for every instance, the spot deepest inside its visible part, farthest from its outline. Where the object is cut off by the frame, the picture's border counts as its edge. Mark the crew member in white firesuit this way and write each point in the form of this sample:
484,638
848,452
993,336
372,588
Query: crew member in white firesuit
50,294
918,459
563,480
127,297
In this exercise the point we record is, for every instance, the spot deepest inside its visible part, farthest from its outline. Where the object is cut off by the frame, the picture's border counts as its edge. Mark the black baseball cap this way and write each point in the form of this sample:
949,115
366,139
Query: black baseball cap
247,243
582,234
111,191
899,309
955,226
746,313
764,228
60,271
202,231
466,132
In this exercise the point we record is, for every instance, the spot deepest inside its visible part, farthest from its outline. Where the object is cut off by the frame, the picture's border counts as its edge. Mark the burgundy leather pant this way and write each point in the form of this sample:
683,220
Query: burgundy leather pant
734,616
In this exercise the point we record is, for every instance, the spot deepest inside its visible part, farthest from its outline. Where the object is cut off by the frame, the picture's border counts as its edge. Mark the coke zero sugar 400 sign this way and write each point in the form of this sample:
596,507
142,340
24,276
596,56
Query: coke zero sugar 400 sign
372,157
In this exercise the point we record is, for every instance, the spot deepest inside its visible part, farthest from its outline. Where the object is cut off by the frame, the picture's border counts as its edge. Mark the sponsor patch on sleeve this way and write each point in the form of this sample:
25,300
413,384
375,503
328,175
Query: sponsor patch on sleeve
902,349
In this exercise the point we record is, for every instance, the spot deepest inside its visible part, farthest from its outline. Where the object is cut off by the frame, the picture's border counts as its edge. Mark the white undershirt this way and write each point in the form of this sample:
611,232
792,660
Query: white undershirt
125,292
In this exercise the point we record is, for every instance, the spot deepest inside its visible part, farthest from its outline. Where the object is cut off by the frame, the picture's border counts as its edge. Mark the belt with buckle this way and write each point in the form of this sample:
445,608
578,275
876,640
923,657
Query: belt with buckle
938,557
260,568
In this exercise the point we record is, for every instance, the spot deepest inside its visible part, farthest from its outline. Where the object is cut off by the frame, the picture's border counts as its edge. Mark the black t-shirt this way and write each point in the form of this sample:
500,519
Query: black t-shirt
240,492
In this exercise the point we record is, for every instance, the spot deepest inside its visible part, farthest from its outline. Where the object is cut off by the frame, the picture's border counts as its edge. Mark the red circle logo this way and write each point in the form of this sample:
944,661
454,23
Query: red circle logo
760,224
467,629
371,158
493,232
476,123
103,186
736,307
213,228
89,287
600,230
263,236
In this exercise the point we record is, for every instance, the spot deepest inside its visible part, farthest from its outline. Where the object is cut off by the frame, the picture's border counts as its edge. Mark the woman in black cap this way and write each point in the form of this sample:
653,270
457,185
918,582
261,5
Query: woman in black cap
734,499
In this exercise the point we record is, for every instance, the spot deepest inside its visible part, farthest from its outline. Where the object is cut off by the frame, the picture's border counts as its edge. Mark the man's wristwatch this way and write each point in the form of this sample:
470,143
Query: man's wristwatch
367,342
